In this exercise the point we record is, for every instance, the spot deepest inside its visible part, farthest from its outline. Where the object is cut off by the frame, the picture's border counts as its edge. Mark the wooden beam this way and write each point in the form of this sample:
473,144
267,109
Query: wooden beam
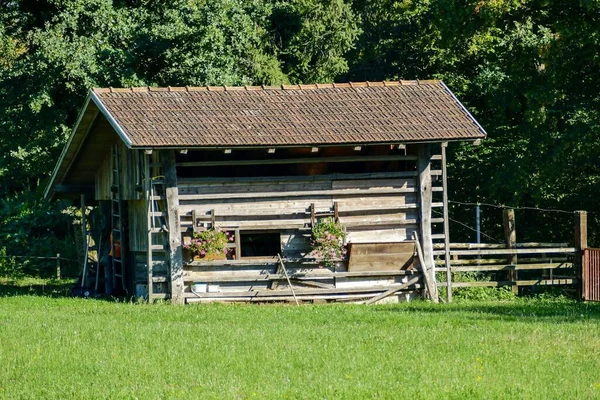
297,161
84,240
483,252
533,282
175,254
581,243
426,273
502,267
536,245
510,235
425,221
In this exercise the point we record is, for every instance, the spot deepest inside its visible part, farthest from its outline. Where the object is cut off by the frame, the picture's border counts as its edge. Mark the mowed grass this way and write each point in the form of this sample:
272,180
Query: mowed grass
62,348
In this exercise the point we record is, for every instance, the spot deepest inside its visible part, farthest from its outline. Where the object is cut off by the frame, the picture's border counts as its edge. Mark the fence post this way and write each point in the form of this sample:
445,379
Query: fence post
58,266
510,234
580,245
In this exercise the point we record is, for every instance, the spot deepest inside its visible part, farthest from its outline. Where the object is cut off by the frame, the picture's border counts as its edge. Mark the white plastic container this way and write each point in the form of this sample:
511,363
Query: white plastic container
213,289
199,287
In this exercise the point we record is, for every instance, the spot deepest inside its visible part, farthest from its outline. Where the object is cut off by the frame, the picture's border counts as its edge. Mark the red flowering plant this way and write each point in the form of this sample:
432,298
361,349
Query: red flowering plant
328,242
210,243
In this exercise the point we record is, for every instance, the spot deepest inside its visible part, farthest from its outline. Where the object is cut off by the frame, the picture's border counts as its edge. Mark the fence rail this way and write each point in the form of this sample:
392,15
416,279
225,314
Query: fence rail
58,260
544,264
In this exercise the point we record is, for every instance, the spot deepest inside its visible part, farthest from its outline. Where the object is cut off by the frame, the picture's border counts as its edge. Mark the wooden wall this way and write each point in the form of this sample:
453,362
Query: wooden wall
373,207
130,174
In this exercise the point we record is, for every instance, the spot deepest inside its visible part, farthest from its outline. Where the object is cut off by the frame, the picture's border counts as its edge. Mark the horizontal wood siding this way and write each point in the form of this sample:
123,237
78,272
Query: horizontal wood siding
373,208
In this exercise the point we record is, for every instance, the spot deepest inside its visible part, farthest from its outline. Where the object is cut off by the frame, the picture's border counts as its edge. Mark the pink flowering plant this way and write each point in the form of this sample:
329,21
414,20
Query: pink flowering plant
210,243
328,241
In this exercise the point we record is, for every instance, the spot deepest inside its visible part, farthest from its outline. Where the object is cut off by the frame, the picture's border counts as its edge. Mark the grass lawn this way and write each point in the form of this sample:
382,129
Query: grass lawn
58,347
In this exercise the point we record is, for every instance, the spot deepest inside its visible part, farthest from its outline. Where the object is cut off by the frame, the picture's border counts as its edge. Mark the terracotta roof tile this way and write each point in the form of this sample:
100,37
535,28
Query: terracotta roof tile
290,115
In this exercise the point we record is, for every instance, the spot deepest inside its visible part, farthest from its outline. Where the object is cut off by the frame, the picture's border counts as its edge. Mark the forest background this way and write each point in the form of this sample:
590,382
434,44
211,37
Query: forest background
528,70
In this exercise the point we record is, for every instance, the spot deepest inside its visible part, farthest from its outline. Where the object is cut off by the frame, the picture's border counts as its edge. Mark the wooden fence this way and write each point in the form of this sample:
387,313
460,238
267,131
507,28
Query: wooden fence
58,261
527,264
514,264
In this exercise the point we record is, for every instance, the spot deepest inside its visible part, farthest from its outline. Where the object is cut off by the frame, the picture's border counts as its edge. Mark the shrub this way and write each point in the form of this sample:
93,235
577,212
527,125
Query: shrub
481,293
328,241
210,243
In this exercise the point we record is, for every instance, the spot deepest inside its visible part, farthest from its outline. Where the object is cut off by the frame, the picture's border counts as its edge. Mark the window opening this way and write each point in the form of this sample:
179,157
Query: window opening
260,244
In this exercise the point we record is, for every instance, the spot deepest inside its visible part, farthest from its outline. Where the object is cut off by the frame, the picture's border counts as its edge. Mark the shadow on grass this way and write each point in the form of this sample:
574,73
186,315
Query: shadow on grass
36,287
519,310
54,288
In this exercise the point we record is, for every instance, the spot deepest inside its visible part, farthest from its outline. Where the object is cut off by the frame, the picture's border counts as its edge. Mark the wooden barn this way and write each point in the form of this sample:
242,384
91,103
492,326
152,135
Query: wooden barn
265,165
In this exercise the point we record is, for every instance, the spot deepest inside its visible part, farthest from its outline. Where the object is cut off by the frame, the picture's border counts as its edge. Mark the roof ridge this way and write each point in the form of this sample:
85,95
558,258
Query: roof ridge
224,88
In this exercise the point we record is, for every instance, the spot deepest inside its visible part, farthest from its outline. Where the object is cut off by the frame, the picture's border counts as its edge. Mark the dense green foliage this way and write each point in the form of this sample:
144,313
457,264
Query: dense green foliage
529,71
73,348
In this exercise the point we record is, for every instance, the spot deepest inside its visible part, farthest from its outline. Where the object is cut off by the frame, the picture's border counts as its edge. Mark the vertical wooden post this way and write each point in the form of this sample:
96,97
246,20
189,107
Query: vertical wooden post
446,226
175,254
58,266
425,199
84,240
580,245
510,234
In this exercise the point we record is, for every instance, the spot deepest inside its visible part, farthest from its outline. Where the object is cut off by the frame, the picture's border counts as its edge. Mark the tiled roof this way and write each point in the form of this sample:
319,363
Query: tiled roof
381,112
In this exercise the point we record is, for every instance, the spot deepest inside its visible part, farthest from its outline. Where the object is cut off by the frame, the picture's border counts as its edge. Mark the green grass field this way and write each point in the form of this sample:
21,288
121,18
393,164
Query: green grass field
61,348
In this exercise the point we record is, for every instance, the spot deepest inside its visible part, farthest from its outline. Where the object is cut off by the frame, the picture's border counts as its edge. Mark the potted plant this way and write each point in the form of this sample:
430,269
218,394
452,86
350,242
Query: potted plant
210,244
328,242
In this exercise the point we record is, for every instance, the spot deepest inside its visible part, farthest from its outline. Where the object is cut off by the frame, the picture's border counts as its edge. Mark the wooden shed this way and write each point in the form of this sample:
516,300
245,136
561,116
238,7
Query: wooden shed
265,164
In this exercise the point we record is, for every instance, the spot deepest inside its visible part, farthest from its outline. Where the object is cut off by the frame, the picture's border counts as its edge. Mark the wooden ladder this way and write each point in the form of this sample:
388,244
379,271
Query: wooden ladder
118,264
157,226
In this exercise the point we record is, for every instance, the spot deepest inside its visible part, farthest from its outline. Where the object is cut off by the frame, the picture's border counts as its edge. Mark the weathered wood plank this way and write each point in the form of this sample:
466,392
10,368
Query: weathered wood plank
392,291
457,246
510,235
477,252
185,181
425,220
173,221
261,276
299,292
580,245
307,193
327,297
503,267
424,269
500,261
534,282
267,161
